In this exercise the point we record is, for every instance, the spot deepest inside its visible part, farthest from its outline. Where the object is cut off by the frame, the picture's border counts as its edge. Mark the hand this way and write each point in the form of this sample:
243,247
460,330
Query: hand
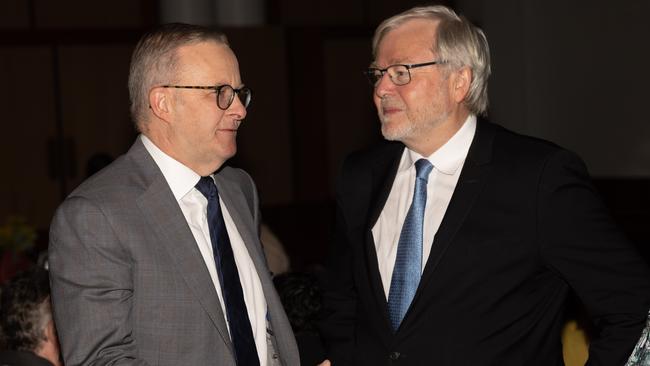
325,363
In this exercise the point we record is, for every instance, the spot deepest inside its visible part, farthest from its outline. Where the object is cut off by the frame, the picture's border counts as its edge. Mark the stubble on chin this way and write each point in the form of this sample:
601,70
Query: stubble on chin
387,132
394,126
393,130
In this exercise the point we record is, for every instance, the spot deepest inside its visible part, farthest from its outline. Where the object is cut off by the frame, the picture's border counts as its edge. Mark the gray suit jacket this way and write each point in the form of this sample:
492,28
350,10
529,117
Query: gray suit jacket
129,285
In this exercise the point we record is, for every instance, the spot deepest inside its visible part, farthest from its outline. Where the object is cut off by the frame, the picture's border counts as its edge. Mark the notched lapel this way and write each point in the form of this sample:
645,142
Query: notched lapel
467,190
383,175
163,213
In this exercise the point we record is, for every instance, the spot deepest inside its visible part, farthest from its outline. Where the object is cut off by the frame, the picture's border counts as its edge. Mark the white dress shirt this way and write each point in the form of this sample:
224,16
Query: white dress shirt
447,162
182,180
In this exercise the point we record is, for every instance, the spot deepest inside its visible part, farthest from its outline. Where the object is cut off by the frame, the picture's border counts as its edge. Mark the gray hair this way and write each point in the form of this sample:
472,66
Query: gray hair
154,61
459,43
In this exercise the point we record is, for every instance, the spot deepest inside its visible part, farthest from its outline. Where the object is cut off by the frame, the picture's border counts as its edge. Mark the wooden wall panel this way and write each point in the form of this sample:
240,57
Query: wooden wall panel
14,14
90,14
264,139
95,102
351,117
28,123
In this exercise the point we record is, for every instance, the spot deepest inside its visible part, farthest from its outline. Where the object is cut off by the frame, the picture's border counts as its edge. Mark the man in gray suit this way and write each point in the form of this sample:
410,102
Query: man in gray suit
133,249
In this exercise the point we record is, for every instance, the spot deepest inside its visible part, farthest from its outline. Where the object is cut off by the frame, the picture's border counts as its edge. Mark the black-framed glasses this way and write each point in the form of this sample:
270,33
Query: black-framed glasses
399,74
225,93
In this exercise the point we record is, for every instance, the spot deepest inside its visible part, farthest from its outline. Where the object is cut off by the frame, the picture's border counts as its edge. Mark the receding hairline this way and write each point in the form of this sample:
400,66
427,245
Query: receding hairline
189,49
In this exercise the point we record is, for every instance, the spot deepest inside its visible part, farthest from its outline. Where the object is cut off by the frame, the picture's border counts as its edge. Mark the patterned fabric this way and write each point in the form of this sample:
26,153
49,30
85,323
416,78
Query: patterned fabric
408,263
641,354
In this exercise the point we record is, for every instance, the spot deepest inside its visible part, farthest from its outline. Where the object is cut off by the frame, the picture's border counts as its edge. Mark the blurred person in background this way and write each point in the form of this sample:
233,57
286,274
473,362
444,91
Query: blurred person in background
27,332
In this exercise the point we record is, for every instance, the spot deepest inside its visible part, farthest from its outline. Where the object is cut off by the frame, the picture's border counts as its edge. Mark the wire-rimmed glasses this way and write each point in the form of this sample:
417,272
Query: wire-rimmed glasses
399,74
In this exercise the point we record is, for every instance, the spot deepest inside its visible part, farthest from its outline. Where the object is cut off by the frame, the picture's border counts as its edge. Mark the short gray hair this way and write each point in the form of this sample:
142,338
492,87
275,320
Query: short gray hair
154,60
459,43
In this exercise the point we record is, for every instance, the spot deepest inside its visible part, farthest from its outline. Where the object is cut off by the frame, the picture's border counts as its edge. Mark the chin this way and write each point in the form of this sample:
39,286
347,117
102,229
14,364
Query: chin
392,136
230,153
226,149
393,132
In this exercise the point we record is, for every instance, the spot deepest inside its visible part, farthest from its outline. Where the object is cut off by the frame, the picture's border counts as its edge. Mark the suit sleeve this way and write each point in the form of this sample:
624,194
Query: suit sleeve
92,287
339,293
580,242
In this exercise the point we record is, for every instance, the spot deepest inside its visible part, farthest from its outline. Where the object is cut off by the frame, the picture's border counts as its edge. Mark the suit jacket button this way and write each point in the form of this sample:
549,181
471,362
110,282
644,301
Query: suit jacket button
394,356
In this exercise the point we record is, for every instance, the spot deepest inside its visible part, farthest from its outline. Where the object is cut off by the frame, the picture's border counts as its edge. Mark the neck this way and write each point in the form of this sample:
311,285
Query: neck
432,140
49,353
166,145
49,348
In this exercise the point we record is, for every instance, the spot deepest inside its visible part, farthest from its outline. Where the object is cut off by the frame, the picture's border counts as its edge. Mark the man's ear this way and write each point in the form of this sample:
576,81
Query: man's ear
50,332
462,79
160,103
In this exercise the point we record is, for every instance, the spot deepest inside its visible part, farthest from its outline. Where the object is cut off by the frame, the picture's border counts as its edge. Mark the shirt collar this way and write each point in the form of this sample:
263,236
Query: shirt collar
450,156
180,178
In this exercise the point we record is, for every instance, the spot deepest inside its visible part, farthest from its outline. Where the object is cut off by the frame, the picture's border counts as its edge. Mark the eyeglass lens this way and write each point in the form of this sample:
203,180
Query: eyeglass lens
226,95
399,74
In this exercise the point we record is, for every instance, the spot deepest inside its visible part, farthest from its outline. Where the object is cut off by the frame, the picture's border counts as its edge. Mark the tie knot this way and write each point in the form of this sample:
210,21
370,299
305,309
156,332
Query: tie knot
422,169
207,187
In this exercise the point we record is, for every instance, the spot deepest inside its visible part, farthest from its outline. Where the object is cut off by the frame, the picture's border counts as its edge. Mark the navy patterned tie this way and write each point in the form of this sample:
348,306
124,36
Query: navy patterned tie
240,325
408,262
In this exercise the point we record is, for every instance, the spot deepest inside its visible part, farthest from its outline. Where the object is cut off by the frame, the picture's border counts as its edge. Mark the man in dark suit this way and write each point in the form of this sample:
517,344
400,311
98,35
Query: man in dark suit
458,242
156,259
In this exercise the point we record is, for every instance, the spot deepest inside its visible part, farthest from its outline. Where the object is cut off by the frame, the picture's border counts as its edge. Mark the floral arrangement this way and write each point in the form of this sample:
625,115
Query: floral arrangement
16,235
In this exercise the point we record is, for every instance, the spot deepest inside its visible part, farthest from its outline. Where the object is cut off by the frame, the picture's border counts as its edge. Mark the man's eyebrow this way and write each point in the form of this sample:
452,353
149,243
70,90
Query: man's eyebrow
236,86
391,63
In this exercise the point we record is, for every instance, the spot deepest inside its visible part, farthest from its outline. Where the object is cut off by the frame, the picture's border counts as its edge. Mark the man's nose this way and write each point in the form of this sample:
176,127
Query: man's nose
237,108
384,86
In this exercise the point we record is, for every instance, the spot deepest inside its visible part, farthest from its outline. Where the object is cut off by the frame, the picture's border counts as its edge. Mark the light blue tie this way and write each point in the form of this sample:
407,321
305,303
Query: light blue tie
408,263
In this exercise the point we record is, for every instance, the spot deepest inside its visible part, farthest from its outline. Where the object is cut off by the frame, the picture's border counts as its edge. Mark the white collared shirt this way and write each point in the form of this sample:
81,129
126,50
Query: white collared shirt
182,180
447,163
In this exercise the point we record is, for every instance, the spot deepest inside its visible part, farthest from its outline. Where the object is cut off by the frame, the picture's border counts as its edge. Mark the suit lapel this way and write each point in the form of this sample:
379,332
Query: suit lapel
235,201
384,170
163,213
469,186
383,174
240,211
